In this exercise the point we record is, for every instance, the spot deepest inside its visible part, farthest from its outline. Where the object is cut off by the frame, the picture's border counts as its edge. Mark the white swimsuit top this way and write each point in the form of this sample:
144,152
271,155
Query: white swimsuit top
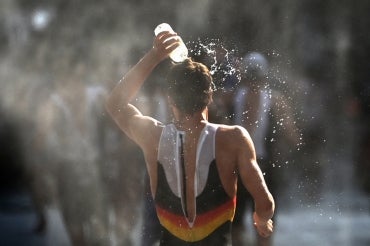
169,156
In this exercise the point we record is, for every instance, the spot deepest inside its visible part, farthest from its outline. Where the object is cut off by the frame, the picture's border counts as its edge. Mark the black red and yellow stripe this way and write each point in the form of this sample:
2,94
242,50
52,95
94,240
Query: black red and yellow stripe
213,208
203,226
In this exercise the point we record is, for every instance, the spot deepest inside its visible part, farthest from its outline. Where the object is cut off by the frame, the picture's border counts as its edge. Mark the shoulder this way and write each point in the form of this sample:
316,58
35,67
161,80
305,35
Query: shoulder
233,134
234,141
147,130
231,129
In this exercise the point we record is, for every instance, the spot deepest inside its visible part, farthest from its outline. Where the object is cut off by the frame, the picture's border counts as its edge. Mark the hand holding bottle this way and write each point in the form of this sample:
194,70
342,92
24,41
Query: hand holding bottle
180,53
164,44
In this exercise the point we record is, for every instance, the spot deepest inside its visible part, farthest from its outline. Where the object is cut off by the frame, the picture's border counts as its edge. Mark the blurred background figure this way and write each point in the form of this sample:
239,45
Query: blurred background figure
267,116
19,216
71,133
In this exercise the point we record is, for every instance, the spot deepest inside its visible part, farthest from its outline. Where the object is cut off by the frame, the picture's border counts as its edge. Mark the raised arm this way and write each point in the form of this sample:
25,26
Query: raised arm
128,117
253,180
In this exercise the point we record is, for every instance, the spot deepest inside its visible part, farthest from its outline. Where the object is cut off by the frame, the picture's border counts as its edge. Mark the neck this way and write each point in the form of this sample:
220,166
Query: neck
190,122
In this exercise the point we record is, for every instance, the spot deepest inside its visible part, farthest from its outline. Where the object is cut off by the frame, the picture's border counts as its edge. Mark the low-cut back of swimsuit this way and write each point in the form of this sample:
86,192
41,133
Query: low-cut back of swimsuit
214,207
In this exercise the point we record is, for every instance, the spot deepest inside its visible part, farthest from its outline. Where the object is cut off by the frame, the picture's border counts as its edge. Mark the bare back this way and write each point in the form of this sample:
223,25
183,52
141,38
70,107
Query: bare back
234,155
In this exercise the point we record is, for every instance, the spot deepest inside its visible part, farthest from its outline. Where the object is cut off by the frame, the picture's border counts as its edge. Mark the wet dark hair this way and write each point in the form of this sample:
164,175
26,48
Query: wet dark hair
189,85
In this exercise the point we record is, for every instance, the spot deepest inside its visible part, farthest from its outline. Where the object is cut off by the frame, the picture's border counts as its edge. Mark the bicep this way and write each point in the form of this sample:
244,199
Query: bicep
249,170
135,125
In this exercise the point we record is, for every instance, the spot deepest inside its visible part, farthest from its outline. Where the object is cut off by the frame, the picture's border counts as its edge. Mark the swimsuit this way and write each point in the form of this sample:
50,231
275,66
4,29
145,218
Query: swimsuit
214,207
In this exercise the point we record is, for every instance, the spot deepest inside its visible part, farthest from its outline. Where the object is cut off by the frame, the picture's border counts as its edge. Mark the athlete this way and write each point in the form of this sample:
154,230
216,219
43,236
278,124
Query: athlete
193,165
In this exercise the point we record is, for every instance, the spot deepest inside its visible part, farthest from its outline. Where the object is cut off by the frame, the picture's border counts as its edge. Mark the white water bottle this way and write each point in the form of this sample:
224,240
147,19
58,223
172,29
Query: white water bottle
181,52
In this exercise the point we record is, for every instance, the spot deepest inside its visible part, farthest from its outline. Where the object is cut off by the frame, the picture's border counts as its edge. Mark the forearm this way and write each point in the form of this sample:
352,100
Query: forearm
131,83
164,43
265,209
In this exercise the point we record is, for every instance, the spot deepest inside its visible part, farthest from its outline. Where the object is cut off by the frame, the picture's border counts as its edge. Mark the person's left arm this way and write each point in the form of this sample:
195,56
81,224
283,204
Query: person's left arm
128,117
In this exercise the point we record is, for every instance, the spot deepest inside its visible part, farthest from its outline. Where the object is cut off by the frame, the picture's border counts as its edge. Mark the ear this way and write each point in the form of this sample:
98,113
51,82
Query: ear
205,113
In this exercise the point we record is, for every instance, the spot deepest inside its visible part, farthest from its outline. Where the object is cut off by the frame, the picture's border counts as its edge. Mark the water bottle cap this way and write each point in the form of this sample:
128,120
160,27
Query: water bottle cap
162,28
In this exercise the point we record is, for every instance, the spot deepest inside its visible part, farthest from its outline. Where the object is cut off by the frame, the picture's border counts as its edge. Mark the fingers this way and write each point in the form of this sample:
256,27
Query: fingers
266,229
165,35
166,42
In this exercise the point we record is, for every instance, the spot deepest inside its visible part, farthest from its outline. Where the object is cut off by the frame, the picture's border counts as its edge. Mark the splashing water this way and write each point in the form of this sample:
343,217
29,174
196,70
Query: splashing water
222,62
226,67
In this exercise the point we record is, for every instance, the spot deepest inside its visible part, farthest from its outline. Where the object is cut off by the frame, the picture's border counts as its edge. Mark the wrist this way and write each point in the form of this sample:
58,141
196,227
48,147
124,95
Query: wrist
154,56
259,220
151,56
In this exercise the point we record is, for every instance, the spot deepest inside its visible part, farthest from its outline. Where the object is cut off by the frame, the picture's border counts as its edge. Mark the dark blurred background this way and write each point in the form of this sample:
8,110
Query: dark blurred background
68,175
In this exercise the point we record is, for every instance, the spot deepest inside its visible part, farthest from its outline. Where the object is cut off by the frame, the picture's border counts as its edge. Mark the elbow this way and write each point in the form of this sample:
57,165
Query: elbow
119,113
111,107
108,106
